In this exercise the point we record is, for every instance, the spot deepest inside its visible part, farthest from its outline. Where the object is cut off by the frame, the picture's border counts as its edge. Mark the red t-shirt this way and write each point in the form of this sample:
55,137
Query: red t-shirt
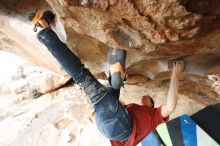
144,120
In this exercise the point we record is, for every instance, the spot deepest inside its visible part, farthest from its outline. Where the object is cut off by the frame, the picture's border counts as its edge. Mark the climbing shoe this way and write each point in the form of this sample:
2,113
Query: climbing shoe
116,59
38,15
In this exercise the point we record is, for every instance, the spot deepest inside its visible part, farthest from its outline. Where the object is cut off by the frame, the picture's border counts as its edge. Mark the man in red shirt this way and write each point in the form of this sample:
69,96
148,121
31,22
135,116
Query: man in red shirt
145,118
123,125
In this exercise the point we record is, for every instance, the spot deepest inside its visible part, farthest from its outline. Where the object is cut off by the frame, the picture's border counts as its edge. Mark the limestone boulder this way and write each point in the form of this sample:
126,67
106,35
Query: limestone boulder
215,82
154,33
59,118
48,81
31,81
62,116
151,31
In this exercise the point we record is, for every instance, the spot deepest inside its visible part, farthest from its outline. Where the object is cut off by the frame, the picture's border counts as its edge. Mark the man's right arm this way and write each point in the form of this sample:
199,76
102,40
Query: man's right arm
172,95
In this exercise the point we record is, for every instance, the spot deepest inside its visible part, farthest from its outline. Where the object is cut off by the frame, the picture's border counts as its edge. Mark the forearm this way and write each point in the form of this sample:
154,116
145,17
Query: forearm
172,93
172,96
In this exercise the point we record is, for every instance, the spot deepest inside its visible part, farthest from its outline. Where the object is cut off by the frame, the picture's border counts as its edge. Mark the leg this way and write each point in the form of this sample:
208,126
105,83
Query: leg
73,66
112,118
110,114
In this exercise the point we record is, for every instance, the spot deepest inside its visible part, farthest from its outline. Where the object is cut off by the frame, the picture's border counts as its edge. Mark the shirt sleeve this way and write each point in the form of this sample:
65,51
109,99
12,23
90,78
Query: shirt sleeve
157,117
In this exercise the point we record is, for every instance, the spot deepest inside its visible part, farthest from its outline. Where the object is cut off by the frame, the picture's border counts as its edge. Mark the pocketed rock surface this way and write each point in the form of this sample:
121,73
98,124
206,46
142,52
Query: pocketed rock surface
151,31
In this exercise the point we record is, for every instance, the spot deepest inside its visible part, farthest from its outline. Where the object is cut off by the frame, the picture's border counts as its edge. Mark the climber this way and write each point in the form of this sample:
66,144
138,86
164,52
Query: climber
122,124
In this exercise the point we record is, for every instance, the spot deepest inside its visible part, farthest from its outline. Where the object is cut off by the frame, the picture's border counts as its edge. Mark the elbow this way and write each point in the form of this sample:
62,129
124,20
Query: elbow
170,109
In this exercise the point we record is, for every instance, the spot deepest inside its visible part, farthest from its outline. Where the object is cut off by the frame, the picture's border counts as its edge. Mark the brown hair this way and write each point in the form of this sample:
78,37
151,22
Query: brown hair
151,100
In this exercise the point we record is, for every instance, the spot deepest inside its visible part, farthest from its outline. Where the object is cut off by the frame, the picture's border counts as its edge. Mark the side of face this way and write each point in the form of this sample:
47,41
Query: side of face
147,101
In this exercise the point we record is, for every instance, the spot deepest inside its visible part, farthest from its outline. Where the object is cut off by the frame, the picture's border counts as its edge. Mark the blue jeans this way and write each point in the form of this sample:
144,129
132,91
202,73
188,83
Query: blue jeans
112,119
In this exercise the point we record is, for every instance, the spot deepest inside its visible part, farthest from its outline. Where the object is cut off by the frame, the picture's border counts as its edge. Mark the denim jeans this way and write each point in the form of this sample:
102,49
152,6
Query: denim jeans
112,119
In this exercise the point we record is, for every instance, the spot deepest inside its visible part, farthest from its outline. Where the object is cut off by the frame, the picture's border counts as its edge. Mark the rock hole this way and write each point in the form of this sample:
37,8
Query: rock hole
203,7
